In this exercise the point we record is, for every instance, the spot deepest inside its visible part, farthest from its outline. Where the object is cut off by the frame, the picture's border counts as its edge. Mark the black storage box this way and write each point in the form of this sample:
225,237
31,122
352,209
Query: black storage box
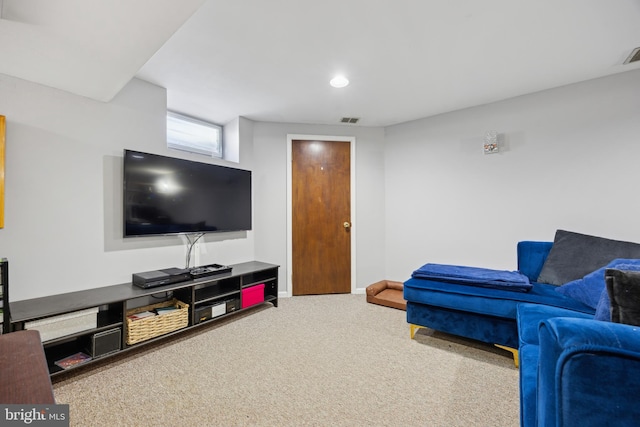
210,311
105,342
233,305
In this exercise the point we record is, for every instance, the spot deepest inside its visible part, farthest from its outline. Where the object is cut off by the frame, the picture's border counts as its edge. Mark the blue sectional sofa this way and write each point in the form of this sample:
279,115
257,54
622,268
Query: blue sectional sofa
484,314
577,368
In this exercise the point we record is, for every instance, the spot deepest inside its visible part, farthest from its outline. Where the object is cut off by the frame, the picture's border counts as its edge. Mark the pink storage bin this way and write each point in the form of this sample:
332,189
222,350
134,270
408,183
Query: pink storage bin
253,295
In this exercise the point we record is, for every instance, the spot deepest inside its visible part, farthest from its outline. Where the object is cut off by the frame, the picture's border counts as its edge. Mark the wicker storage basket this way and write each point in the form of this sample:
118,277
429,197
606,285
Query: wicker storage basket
153,326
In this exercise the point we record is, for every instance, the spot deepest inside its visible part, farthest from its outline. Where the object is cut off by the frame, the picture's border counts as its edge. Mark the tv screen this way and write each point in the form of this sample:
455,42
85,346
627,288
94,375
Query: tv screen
165,195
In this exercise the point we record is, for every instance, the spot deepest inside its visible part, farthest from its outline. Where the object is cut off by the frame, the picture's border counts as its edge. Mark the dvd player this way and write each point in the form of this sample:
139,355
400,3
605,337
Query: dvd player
151,279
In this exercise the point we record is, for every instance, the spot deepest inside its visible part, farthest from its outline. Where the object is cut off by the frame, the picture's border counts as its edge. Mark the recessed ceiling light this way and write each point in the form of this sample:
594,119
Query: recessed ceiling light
339,81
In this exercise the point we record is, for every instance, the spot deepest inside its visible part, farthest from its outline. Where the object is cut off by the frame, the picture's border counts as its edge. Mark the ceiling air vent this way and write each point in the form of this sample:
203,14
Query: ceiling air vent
634,56
352,120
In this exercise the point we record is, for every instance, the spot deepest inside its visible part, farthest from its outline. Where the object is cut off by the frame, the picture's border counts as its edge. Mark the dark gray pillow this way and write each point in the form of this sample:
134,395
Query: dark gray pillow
623,288
574,255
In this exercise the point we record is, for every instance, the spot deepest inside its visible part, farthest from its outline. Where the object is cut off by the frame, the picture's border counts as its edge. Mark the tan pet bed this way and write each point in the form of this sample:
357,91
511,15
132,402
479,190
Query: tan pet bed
387,293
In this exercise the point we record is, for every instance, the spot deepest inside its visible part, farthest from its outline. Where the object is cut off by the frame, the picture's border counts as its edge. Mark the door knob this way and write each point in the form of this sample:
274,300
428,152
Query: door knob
346,224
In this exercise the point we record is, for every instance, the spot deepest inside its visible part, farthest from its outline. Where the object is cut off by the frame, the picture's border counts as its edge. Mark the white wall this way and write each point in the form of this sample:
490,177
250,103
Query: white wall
270,202
63,192
569,160
424,190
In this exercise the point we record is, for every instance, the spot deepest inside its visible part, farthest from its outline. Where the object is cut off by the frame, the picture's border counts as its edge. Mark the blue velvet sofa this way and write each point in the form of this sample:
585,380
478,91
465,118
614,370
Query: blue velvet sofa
575,369
484,314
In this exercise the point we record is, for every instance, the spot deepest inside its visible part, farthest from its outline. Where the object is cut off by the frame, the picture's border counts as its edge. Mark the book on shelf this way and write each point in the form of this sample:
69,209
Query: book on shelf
165,310
138,316
73,360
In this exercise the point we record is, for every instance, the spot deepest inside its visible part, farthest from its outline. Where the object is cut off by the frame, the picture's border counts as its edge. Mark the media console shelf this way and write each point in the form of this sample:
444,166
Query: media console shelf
94,321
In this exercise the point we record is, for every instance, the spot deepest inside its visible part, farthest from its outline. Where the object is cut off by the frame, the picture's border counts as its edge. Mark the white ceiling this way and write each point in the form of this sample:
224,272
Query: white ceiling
87,47
272,60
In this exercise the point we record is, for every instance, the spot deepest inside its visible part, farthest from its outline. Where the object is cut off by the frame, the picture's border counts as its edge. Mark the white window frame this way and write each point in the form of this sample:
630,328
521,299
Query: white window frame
193,135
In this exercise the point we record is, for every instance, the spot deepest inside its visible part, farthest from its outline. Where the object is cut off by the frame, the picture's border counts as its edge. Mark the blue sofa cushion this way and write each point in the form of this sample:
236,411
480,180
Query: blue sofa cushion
574,255
474,276
492,302
589,289
603,310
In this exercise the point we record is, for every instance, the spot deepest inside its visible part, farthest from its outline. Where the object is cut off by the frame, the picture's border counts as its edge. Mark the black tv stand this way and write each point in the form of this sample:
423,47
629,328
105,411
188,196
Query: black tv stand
208,294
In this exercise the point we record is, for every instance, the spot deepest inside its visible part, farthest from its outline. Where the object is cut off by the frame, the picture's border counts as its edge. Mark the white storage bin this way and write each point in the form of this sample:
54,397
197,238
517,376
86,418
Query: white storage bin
218,309
65,324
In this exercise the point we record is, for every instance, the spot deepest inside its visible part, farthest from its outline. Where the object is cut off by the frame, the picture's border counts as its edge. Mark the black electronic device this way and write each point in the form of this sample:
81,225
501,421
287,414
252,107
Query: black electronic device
104,343
151,279
209,270
166,195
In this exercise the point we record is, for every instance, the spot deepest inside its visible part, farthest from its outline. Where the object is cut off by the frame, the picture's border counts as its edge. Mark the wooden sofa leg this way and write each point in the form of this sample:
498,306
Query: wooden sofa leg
513,351
414,329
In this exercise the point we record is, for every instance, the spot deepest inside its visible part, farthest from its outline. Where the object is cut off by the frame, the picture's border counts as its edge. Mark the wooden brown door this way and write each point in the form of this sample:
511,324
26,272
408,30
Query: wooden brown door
321,217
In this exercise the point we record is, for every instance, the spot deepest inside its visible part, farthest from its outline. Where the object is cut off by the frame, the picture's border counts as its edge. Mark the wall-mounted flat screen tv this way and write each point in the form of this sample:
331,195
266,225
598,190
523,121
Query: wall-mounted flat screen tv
165,195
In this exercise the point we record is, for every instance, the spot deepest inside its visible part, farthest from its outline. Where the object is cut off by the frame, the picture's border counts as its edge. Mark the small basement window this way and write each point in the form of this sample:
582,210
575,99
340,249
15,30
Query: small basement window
195,136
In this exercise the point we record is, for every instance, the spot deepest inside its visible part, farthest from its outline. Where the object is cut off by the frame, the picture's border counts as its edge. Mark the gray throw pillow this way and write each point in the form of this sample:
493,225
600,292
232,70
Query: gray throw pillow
574,255
623,288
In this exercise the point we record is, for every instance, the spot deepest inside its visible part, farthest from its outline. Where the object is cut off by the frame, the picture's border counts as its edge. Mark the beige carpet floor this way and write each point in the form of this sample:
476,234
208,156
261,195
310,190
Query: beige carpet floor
329,360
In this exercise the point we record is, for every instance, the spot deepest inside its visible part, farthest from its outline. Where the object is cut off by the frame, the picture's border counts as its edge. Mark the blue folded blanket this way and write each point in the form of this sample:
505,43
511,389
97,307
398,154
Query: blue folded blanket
474,276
